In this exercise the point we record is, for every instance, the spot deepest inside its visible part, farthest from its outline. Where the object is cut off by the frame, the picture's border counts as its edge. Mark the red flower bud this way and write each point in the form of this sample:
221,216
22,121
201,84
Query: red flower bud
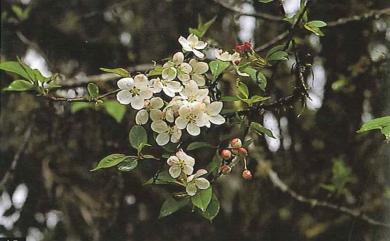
247,175
235,143
225,154
243,151
225,169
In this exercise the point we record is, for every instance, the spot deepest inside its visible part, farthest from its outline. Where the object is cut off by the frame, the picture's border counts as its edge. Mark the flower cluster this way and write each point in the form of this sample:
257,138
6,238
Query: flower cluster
177,99
182,168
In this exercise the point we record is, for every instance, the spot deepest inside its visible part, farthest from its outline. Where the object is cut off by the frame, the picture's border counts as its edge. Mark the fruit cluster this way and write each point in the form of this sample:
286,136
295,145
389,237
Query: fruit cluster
235,151
244,47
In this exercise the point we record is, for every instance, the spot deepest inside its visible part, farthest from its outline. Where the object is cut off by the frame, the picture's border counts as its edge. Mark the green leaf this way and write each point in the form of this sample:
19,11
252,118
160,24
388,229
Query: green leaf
77,106
150,157
19,85
265,1
261,80
202,198
212,167
138,137
161,178
198,144
243,89
93,90
119,71
128,164
275,49
382,124
202,28
217,67
213,209
260,129
228,98
314,26
278,56
156,71
252,73
257,98
110,161
317,23
172,205
14,67
115,109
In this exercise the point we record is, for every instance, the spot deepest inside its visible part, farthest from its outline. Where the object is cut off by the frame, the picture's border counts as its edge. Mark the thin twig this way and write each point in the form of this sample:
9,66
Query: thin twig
21,149
278,183
82,98
240,12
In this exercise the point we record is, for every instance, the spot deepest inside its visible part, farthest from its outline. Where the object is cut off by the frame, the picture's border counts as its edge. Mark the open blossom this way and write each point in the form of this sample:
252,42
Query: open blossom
226,56
198,71
192,117
169,87
195,181
142,116
213,113
179,163
176,68
165,132
134,91
192,93
193,44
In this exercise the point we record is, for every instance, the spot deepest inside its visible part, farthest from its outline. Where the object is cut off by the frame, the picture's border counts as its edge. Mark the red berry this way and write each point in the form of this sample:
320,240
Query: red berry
247,175
225,169
226,154
235,143
243,151
247,45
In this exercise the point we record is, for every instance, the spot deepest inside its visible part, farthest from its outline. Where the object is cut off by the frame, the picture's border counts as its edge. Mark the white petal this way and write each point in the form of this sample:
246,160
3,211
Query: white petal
174,86
125,83
202,183
200,172
214,108
173,160
137,102
142,117
156,103
186,68
181,122
176,135
146,94
124,97
178,58
199,79
193,129
183,77
191,189
192,39
201,68
200,45
162,139
188,169
185,44
169,73
217,119
198,54
156,115
141,81
159,126
174,171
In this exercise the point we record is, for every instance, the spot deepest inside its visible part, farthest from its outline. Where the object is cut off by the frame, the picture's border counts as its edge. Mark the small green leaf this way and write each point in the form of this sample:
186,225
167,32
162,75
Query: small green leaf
260,129
217,67
172,205
156,71
14,67
202,28
261,80
278,56
252,73
265,1
93,90
115,109
257,98
128,164
198,144
202,198
19,85
228,98
138,137
317,23
77,106
213,209
243,89
110,161
119,71
382,124
275,49
150,157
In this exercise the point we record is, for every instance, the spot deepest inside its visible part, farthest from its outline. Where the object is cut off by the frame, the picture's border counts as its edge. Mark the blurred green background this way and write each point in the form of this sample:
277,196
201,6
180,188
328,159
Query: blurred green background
51,195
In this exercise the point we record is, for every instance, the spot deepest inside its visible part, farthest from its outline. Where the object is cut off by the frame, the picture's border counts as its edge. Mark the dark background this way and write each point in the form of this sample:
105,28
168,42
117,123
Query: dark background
67,202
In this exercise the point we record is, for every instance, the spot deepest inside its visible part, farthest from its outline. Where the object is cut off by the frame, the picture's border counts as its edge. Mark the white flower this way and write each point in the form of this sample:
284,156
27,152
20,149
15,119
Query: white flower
169,87
226,56
192,93
192,117
198,71
165,132
176,68
142,116
195,181
212,111
179,163
192,44
134,91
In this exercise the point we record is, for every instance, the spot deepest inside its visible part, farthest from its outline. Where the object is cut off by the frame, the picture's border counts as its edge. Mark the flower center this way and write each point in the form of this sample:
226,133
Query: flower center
135,91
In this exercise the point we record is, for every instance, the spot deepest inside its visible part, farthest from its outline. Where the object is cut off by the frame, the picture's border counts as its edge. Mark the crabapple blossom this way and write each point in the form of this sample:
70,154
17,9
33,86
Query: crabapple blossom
192,93
195,181
213,110
154,103
198,71
176,68
180,163
193,44
169,87
134,91
192,117
165,132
